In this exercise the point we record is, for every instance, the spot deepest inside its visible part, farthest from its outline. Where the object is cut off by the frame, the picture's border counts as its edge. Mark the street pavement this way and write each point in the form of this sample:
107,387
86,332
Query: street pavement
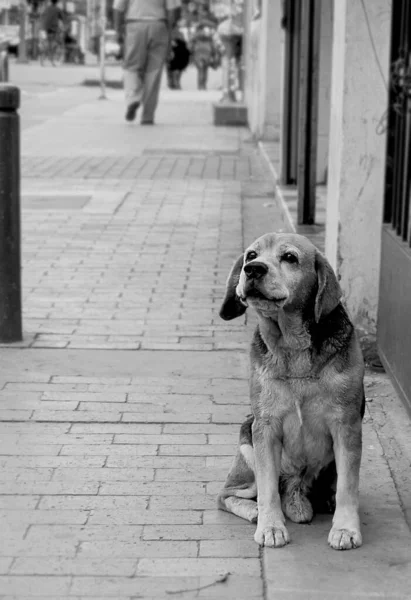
120,410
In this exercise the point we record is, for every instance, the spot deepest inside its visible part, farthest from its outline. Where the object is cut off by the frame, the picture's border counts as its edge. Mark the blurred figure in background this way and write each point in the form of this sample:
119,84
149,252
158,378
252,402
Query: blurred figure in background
204,53
52,24
178,59
144,27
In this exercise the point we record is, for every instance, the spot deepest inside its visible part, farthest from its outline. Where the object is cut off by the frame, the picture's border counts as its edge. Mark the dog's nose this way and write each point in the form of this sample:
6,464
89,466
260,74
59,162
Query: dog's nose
255,270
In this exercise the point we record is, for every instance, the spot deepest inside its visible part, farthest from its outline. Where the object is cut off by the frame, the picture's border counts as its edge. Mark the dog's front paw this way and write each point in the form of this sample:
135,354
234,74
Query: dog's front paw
274,536
344,539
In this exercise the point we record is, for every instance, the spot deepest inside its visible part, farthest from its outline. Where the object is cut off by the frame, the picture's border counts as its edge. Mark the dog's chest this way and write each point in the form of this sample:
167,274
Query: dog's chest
296,405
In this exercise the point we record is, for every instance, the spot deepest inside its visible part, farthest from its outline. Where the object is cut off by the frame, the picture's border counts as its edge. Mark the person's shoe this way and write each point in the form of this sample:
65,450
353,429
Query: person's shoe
132,111
147,122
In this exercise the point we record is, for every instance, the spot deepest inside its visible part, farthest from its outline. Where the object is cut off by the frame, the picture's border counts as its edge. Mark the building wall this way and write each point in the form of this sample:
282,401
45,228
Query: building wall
357,151
264,42
324,92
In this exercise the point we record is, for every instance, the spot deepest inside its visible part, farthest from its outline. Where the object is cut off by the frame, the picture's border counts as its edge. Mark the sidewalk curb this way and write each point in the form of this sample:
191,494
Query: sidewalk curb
118,85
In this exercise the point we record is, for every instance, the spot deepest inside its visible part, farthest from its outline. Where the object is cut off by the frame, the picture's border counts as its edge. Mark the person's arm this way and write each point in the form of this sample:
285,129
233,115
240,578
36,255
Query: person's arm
119,10
173,12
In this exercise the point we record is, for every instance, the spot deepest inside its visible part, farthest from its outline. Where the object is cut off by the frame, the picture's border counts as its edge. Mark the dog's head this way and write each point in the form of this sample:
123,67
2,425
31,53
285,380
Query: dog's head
281,271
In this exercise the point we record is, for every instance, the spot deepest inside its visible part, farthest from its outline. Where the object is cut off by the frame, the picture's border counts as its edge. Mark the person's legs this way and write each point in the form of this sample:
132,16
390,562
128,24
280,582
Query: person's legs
205,77
177,79
135,57
198,76
158,45
202,75
170,78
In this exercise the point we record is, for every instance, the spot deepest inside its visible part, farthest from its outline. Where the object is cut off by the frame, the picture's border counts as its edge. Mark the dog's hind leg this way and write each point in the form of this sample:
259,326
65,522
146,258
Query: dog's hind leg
240,489
246,509
294,498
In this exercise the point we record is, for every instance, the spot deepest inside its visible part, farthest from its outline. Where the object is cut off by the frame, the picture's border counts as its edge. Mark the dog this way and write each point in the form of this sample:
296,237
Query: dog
300,450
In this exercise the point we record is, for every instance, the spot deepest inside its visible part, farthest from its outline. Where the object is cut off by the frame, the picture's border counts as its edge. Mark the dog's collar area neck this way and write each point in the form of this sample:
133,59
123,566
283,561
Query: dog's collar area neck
286,377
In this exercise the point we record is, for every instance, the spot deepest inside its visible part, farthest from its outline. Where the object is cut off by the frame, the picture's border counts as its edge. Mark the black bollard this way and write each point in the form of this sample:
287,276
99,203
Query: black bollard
10,276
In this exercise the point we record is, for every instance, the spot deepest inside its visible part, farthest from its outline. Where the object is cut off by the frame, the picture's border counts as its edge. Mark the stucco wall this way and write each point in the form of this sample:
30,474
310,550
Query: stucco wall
324,91
357,152
263,68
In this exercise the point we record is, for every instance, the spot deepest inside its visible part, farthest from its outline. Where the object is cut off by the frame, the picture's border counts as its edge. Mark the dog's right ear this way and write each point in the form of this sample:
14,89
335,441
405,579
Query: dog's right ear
232,306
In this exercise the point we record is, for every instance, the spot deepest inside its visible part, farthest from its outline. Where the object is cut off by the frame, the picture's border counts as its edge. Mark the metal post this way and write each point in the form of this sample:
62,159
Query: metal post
10,277
103,51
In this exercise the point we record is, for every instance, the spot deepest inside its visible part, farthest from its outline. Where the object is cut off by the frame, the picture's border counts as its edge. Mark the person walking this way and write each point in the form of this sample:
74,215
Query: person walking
203,52
52,22
178,59
143,27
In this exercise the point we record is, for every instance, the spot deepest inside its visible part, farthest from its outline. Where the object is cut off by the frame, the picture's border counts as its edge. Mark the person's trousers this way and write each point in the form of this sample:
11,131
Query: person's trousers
202,75
145,52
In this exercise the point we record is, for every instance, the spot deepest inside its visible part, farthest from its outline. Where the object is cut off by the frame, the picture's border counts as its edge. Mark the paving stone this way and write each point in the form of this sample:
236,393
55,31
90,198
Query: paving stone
74,566
155,462
92,474
152,488
160,439
13,462
205,450
182,417
5,563
15,449
48,487
39,586
51,517
147,517
198,532
19,502
182,428
138,549
83,416
230,548
189,474
195,566
150,587
108,449
198,502
128,428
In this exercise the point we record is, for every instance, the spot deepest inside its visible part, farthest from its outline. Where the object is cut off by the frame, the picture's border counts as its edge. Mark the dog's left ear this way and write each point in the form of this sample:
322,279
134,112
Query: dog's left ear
232,306
329,292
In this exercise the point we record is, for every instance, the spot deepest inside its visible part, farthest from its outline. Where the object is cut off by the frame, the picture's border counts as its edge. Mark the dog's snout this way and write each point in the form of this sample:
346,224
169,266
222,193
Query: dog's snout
255,270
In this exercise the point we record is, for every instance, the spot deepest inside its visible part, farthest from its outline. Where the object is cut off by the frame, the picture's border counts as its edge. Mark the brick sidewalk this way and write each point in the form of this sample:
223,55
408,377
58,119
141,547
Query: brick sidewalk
111,459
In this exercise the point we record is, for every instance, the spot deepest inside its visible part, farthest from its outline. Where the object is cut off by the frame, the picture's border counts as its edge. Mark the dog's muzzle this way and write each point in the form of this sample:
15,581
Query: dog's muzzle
255,270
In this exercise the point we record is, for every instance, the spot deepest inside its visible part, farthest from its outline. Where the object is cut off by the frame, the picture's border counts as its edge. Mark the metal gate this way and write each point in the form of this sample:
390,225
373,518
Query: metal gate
394,315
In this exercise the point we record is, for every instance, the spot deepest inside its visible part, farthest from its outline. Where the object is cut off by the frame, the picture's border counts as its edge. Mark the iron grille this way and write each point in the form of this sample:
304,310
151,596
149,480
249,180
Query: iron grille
398,167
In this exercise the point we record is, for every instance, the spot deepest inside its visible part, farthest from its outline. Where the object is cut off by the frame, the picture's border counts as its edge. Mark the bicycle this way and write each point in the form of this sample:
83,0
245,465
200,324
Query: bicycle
51,47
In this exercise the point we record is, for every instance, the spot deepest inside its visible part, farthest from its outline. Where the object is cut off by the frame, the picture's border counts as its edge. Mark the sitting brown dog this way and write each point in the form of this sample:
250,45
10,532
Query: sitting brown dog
306,392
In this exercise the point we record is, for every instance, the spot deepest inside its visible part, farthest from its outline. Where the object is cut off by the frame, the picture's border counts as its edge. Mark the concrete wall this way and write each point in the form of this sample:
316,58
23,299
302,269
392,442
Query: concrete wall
357,152
264,42
324,91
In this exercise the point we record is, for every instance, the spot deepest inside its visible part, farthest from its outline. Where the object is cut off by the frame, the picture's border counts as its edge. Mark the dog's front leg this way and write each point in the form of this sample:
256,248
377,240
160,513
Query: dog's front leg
271,530
345,532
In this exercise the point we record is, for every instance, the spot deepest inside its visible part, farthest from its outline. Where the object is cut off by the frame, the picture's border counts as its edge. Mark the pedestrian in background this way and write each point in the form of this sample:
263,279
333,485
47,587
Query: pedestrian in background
144,27
178,59
52,22
203,53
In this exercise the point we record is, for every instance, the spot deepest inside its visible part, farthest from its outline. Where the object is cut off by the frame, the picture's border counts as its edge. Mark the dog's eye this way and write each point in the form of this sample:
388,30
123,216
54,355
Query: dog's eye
251,255
289,257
